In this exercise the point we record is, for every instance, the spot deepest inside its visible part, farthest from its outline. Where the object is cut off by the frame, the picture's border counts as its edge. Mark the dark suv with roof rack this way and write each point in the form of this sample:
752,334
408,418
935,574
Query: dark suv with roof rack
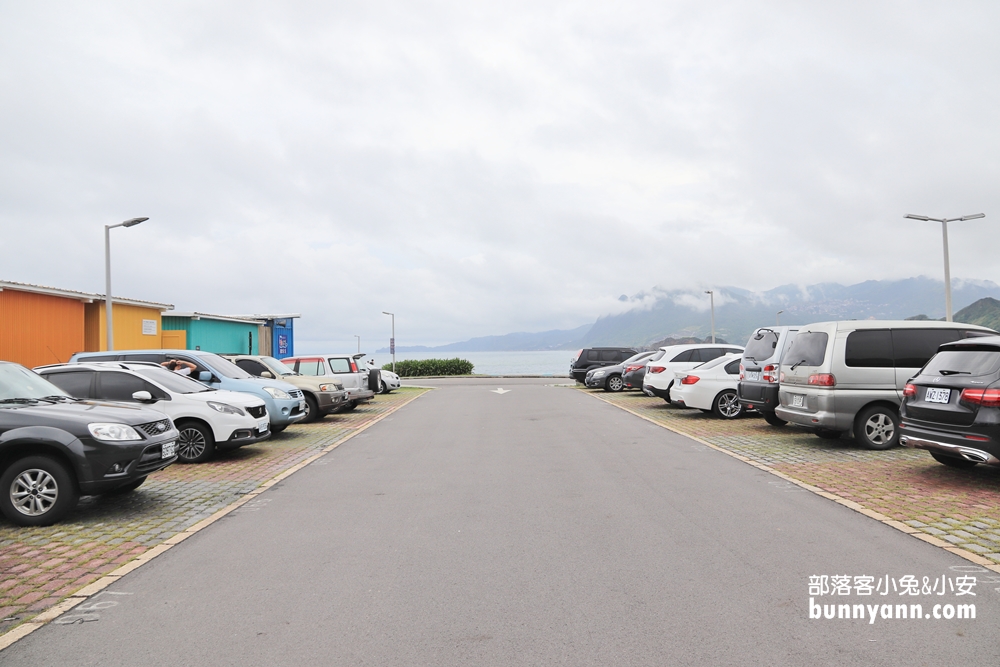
595,357
54,447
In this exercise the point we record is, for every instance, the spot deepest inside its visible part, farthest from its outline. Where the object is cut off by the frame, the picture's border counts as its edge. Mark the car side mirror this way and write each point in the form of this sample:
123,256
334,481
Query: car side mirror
267,374
142,396
204,376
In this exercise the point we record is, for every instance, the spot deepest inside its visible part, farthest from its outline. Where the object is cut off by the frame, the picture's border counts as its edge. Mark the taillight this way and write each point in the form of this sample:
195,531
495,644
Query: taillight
657,369
354,367
823,379
629,369
741,372
909,390
689,379
988,398
782,378
770,373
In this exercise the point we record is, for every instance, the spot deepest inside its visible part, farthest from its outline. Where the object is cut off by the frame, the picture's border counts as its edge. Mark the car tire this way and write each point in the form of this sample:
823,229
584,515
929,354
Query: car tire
195,442
312,410
614,384
667,397
383,388
773,419
727,405
278,429
37,491
828,434
127,488
877,427
350,405
953,461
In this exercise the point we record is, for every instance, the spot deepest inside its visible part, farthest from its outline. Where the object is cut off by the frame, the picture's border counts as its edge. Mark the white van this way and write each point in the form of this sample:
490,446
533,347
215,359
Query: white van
842,376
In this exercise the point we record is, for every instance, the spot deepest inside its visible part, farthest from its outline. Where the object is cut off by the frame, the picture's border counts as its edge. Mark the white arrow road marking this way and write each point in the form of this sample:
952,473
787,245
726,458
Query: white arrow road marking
498,390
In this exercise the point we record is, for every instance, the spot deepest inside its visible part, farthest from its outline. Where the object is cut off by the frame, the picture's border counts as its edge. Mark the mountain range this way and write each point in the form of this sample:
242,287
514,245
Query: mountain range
658,314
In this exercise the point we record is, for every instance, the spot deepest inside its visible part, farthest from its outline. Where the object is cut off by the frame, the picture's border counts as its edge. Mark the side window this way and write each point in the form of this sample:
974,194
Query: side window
609,355
252,367
76,383
120,386
593,355
102,357
340,365
311,367
733,367
625,355
155,358
736,350
686,355
708,353
869,349
912,348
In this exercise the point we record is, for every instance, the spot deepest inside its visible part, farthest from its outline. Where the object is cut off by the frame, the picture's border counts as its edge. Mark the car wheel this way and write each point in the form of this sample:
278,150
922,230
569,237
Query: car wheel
877,427
727,405
383,388
667,396
773,419
828,434
37,491
312,410
953,461
195,443
127,488
350,405
278,429
614,383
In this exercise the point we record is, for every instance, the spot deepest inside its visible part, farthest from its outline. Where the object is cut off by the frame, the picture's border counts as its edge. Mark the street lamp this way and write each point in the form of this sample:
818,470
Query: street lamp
107,273
359,342
711,295
777,317
392,341
944,236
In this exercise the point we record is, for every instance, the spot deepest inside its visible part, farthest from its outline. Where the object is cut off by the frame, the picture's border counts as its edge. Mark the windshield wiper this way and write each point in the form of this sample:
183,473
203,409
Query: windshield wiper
55,398
797,364
948,372
22,401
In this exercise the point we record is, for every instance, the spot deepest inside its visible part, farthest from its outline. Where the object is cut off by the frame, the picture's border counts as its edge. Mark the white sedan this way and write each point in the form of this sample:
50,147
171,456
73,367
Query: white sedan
389,382
710,387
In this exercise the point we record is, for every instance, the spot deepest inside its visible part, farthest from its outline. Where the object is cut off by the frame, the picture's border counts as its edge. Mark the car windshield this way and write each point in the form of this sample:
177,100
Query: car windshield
762,345
808,349
18,383
174,382
276,366
963,362
224,367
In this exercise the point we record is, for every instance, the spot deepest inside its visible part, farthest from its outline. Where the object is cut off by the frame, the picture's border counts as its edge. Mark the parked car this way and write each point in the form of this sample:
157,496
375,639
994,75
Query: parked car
660,374
342,368
838,377
322,396
54,447
710,387
286,404
388,381
635,371
595,357
206,419
952,407
761,368
610,377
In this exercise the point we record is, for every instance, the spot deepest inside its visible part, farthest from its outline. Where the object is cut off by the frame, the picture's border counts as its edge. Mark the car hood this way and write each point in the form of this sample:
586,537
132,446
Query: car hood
85,412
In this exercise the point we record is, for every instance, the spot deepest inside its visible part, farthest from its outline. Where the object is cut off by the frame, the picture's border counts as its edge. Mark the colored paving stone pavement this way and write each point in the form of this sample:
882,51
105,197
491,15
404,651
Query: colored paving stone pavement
41,566
961,507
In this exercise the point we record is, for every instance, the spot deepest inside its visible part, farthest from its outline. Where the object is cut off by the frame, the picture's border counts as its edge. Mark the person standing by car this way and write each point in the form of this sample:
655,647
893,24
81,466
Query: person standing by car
179,366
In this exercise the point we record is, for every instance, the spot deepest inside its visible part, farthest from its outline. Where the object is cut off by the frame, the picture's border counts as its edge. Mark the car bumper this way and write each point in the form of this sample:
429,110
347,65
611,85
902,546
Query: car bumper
360,394
758,395
816,411
656,391
243,436
140,459
594,382
634,379
949,444
287,411
329,401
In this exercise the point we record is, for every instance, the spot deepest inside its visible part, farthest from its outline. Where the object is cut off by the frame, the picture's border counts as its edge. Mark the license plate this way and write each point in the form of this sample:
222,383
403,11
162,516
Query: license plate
798,400
263,425
168,449
752,375
937,395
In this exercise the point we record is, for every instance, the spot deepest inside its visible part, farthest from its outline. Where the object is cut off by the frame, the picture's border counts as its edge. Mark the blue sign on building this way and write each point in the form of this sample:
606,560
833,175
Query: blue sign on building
282,345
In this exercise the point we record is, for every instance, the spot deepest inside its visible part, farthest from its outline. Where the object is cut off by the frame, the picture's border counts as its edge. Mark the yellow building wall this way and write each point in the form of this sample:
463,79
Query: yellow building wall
128,322
174,340
37,329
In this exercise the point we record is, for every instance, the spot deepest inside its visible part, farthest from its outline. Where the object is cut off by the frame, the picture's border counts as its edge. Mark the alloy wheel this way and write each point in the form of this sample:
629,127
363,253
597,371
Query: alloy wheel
879,428
191,444
615,383
34,492
729,405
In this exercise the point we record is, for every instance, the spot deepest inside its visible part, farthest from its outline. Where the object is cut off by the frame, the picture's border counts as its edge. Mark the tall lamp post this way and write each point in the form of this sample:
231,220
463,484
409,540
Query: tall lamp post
359,342
107,274
777,317
711,295
392,341
947,266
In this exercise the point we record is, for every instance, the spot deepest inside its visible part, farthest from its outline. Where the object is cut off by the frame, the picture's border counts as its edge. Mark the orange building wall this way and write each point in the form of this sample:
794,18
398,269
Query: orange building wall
127,322
37,329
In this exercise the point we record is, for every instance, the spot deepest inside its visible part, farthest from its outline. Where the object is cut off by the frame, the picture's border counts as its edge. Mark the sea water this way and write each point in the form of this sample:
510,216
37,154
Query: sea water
551,363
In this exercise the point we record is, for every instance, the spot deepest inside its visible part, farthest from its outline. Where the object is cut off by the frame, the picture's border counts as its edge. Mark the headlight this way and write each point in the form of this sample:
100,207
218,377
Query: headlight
276,393
599,374
225,408
114,432
329,387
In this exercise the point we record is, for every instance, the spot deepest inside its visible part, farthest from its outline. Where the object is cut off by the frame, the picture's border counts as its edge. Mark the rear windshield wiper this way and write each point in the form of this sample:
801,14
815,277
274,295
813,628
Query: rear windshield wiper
948,372
797,363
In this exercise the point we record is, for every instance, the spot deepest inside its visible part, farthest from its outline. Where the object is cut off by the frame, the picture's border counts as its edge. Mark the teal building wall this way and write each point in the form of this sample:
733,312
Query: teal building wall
216,335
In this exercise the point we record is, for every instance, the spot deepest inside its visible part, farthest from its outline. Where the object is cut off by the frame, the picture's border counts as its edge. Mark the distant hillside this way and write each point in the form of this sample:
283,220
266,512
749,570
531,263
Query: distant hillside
985,313
557,339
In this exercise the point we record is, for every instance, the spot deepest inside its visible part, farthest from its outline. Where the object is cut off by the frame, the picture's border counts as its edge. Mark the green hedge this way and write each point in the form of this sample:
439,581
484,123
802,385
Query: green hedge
424,367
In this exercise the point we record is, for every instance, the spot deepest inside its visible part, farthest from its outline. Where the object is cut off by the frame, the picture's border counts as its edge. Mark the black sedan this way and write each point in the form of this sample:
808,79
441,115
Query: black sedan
635,371
952,407
611,378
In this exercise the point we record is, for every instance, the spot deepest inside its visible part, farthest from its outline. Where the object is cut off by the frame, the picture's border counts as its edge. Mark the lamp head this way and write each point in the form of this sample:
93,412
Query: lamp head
916,217
974,216
133,222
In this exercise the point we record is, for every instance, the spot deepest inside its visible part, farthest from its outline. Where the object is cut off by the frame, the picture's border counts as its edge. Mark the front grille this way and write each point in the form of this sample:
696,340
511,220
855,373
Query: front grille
257,411
156,428
295,393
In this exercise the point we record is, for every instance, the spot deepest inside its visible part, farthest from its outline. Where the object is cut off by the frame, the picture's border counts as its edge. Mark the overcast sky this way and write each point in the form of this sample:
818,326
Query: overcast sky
487,168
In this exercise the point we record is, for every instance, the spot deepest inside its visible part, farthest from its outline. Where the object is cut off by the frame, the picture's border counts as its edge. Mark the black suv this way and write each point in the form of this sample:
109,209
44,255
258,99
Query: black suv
952,406
54,447
595,357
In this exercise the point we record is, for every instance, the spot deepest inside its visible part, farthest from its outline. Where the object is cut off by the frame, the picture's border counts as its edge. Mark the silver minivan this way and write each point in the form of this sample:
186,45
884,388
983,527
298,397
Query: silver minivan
846,376
760,369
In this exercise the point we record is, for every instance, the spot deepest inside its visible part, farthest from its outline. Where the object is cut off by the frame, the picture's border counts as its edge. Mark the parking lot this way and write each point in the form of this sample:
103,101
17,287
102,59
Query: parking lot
42,566
952,508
